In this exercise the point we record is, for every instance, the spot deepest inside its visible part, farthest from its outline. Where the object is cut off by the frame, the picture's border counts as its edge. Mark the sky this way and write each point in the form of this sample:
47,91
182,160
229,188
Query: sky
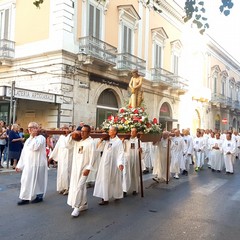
225,30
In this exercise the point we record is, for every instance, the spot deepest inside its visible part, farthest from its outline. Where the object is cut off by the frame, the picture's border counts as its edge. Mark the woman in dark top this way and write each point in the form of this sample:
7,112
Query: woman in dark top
15,144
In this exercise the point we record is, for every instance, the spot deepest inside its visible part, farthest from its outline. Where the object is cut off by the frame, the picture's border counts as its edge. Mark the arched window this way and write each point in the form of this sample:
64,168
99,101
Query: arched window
165,116
107,105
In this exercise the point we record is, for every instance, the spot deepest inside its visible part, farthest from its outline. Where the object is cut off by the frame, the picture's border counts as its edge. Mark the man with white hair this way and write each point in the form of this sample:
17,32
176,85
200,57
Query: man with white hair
177,151
187,155
33,164
109,177
160,162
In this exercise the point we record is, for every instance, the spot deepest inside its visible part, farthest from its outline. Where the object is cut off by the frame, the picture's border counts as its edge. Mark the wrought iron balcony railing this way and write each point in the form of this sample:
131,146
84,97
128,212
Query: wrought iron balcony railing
236,105
7,49
166,78
94,47
229,102
129,62
219,98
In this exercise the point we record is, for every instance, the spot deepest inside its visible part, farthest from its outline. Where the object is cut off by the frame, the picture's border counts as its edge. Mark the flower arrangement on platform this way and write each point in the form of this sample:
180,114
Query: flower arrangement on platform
129,117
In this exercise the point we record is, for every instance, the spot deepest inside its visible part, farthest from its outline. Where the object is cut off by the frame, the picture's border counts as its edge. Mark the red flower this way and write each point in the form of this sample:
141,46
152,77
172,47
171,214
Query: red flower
122,110
110,117
135,119
123,120
148,125
135,111
155,121
116,119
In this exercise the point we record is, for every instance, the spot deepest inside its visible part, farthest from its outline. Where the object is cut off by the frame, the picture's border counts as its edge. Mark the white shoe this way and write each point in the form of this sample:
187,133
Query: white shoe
83,208
75,212
176,176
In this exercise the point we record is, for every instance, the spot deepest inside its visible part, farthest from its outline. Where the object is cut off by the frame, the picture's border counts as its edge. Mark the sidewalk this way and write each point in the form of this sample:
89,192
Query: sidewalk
6,170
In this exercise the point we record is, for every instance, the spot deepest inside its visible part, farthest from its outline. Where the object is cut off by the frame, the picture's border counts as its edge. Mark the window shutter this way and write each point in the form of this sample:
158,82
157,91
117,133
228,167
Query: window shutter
97,23
6,25
91,20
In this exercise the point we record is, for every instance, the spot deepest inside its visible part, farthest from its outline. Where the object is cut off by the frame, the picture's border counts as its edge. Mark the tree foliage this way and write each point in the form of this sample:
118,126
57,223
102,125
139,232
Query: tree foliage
195,11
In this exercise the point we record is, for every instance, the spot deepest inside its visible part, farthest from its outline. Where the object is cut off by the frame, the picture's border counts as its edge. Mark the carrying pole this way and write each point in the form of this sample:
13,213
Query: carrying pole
140,168
168,160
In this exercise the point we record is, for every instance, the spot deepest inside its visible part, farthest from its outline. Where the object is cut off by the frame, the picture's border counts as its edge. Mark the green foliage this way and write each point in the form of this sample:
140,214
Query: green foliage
37,3
195,11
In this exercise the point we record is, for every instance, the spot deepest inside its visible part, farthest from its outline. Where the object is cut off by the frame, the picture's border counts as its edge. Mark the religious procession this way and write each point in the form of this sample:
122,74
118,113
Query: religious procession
113,161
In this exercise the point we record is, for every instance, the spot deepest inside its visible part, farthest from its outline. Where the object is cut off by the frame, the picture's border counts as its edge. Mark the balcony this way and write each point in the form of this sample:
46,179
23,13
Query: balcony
7,50
236,105
94,50
229,102
219,100
127,62
167,80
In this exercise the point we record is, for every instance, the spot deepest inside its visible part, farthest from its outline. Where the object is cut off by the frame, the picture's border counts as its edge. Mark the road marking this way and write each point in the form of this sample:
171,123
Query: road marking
209,188
236,196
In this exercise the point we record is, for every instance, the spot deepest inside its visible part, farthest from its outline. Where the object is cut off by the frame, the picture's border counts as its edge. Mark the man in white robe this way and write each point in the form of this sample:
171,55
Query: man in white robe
187,155
33,164
199,146
82,164
97,158
64,157
131,164
216,155
177,150
229,149
109,177
160,162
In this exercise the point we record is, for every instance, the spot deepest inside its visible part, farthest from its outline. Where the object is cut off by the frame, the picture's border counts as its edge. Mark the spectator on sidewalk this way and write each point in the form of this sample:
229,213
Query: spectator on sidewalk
15,144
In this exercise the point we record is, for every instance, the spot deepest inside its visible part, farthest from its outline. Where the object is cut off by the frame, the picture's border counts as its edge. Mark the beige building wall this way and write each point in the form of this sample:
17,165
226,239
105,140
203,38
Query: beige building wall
31,25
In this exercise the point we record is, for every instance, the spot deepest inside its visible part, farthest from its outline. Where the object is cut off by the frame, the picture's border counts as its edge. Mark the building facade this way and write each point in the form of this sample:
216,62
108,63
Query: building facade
70,61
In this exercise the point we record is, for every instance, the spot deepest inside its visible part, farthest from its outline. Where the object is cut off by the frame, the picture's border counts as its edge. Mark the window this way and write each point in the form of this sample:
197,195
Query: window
127,39
176,53
4,24
157,56
215,84
175,64
158,37
94,21
223,88
128,21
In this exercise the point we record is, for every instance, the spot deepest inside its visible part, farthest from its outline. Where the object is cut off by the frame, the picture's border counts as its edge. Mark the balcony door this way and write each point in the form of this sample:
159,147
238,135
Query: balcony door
94,17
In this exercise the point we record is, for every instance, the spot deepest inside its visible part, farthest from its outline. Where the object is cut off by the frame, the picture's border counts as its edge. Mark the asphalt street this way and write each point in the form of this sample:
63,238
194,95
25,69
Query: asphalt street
203,205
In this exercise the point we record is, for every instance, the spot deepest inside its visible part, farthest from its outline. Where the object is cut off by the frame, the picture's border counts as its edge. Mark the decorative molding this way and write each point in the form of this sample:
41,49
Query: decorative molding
129,13
159,34
216,69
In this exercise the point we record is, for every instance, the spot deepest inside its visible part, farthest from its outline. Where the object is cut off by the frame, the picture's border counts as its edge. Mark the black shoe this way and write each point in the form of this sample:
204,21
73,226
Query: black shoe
186,173
124,194
227,173
183,172
37,200
134,193
103,203
218,171
213,170
145,171
23,202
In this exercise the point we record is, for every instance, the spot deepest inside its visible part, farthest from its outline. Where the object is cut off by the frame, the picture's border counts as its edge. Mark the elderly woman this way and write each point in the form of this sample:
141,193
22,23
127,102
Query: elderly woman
15,144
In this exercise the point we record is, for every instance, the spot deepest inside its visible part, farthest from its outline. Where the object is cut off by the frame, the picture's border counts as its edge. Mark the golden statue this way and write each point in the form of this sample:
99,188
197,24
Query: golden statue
136,89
